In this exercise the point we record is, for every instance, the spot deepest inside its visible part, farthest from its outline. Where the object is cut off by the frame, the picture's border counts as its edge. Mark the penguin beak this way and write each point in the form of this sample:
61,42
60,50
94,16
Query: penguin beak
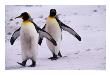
19,17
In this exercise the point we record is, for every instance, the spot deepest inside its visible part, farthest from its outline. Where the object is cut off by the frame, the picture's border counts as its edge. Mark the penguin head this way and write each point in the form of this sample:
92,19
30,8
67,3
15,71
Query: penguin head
53,12
25,16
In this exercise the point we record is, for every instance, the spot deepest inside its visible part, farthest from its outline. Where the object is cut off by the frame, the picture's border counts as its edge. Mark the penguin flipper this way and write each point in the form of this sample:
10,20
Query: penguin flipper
45,34
41,37
71,31
68,29
15,35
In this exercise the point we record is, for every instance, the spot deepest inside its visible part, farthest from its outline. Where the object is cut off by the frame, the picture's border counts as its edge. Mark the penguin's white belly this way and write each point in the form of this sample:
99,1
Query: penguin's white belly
53,28
29,39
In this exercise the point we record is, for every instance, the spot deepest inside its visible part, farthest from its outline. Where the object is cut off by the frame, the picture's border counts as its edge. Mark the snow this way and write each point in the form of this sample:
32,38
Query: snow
88,21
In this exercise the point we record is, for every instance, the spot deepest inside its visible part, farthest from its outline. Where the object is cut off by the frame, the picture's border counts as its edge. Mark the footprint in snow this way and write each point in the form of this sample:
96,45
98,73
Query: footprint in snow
99,49
77,52
88,49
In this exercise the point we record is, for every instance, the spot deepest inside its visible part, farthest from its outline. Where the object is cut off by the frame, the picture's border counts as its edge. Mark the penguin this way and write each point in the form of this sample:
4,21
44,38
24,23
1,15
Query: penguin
29,33
54,27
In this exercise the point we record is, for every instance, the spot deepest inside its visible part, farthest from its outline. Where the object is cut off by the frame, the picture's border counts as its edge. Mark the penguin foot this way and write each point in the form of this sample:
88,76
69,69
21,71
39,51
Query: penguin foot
59,54
33,64
53,58
23,63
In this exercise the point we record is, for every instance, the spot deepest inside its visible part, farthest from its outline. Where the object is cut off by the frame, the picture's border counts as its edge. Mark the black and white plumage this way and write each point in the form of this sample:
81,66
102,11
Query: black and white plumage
54,27
28,33
61,26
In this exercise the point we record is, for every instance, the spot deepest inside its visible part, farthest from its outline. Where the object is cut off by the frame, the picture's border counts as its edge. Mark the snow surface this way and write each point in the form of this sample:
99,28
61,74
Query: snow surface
88,21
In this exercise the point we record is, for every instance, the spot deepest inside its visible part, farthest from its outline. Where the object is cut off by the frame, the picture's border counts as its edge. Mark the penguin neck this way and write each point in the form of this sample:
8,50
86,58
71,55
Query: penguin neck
51,16
26,21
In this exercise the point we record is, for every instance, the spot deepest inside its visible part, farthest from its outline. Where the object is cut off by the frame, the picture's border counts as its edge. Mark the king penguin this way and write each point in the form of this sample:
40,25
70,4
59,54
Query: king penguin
54,27
29,33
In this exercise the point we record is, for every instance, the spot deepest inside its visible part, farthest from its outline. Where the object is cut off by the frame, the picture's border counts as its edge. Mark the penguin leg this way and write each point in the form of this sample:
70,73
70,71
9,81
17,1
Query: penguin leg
59,54
33,63
54,57
23,63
